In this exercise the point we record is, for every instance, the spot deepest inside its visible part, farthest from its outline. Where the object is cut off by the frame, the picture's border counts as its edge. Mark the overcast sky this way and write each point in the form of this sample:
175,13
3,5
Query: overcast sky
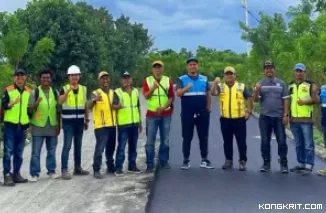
186,23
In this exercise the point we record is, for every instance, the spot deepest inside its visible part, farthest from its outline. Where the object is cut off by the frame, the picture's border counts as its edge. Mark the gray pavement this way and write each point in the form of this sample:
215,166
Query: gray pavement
217,191
112,194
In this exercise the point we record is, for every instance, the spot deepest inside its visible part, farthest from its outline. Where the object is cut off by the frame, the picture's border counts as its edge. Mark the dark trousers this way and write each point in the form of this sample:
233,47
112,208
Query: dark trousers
105,139
267,125
189,121
125,134
72,133
14,143
238,128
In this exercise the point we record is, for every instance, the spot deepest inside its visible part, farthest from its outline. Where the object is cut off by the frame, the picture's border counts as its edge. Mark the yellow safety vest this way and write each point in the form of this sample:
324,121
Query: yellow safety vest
232,101
74,106
129,114
301,91
47,109
103,114
18,112
159,97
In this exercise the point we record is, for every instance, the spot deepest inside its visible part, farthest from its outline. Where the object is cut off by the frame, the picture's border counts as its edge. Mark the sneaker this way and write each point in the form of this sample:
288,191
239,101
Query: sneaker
297,168
185,165
8,180
118,172
134,170
52,175
266,166
34,178
149,170
284,166
17,178
98,175
306,171
206,164
228,164
321,172
81,172
242,165
65,175
165,166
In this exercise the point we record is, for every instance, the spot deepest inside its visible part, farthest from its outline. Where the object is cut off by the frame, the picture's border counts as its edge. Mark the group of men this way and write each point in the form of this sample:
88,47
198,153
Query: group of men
42,111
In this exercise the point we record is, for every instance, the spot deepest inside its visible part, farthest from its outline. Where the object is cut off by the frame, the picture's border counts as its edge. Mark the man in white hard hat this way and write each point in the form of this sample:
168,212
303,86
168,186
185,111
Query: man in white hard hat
73,98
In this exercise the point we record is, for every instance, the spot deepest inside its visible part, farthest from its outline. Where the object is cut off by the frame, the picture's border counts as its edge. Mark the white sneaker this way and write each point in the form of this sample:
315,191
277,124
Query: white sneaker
53,176
33,179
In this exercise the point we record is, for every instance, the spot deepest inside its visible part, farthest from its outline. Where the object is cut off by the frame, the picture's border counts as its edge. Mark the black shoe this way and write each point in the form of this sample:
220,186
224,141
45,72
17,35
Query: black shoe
81,172
228,164
266,166
284,166
165,166
98,175
134,170
297,168
8,180
306,172
205,163
110,169
118,172
242,165
17,178
185,165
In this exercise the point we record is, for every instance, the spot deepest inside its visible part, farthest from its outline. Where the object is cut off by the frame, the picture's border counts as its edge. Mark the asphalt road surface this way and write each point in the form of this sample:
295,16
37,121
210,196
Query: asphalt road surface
212,191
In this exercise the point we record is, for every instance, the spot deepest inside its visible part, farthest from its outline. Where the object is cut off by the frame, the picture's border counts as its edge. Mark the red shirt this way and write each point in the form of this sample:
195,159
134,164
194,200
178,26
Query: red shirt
165,113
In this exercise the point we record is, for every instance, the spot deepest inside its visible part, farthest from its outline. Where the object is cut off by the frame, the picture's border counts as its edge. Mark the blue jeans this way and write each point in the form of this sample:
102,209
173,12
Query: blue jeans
14,144
324,134
267,125
72,132
125,134
105,140
152,125
305,146
51,145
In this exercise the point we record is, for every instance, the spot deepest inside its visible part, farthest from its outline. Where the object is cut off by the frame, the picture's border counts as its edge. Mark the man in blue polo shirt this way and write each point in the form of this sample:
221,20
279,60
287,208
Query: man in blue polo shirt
195,111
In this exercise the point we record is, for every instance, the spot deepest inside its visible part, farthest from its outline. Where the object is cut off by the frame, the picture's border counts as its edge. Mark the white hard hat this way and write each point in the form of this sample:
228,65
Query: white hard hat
73,69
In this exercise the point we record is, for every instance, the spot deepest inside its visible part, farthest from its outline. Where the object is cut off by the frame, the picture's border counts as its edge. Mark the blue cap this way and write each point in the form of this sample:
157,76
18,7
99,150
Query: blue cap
300,66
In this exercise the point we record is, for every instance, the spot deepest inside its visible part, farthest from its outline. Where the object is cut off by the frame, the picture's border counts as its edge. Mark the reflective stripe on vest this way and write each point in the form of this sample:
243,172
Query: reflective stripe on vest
74,106
46,110
300,92
199,85
18,112
103,114
232,101
159,97
129,114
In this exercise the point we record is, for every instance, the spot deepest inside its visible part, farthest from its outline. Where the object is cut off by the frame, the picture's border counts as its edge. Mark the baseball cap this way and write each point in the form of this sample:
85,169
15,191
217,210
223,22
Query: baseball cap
229,69
20,71
268,64
103,73
125,74
158,63
192,59
300,66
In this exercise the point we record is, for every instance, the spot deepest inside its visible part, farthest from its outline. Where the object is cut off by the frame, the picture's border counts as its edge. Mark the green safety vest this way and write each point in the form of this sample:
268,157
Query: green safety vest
301,91
47,109
160,96
129,114
18,113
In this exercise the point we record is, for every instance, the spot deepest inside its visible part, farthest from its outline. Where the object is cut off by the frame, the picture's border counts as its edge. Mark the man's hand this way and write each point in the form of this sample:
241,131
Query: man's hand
119,106
39,99
57,130
247,115
98,97
16,101
285,120
258,87
159,110
86,124
217,80
300,102
27,131
189,85
155,85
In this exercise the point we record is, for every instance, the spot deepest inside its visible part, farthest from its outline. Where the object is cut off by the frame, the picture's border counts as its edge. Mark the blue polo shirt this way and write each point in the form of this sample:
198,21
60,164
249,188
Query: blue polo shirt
322,95
194,100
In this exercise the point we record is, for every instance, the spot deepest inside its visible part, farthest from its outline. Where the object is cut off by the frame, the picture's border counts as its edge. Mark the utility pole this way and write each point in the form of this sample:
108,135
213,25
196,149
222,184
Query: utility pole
245,6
